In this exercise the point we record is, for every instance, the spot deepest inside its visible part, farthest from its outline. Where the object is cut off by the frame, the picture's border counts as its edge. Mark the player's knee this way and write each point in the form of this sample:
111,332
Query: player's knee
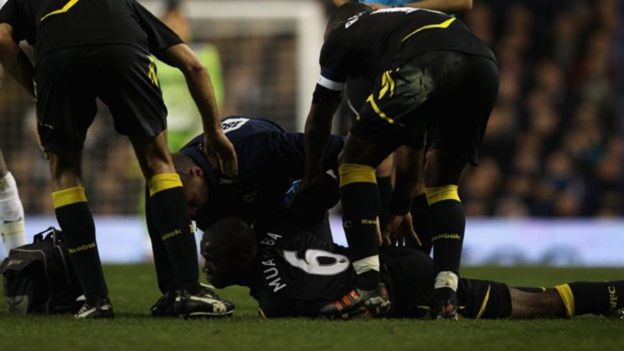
386,167
154,156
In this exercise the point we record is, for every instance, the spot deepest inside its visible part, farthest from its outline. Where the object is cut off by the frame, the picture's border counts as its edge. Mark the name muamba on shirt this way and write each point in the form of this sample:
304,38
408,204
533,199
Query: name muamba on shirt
269,267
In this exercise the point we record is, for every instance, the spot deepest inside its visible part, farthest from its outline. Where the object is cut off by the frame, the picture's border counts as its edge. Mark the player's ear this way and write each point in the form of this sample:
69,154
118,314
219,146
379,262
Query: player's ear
195,171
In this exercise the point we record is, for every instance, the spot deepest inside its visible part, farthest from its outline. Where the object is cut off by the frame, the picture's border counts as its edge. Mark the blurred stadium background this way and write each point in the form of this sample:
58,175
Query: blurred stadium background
550,186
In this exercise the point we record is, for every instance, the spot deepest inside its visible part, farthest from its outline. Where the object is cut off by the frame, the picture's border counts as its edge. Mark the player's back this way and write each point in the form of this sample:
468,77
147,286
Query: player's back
51,25
297,273
372,41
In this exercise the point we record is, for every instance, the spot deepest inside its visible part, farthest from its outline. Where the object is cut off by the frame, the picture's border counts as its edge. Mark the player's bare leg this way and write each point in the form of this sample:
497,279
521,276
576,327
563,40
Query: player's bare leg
11,210
360,201
539,304
76,221
448,221
568,300
172,222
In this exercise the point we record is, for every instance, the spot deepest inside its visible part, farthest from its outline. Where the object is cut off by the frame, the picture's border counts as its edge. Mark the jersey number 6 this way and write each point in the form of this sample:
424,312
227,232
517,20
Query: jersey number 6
318,262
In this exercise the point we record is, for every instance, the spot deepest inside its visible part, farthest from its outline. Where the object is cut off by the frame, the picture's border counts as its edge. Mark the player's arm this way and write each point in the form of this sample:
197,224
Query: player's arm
409,183
325,101
409,180
14,60
288,153
318,129
169,48
198,80
438,5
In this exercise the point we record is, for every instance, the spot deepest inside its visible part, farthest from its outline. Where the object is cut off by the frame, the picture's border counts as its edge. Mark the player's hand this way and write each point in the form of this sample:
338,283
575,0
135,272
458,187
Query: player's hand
221,153
376,6
307,185
322,192
399,227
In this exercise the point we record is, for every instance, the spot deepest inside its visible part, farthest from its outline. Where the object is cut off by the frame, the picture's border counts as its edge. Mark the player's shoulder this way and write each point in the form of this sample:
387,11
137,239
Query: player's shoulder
246,124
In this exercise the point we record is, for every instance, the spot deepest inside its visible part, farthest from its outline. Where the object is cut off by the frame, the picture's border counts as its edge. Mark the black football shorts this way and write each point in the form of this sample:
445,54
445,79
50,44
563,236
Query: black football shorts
443,98
409,275
68,81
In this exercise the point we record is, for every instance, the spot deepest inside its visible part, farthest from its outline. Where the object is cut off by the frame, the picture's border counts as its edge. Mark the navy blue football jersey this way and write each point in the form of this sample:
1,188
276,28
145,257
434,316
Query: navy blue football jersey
269,159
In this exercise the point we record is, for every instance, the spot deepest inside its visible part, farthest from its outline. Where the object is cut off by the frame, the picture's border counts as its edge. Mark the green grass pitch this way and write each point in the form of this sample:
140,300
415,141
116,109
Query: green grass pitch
133,290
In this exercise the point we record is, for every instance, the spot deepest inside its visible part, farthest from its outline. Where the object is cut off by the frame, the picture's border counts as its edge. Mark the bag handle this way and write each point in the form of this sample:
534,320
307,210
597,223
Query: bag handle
39,237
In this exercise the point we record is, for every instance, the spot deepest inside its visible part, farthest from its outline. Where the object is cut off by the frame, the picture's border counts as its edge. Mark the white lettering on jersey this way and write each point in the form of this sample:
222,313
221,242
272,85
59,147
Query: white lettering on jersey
312,265
271,273
353,19
231,124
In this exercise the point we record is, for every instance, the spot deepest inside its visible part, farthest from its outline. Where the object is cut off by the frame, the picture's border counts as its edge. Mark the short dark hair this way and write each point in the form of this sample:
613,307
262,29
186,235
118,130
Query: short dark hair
343,13
231,234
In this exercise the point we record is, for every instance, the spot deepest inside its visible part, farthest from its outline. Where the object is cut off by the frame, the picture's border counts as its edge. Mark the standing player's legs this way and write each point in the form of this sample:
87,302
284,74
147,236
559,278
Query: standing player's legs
11,210
447,220
131,89
456,133
360,203
65,110
168,210
171,222
76,221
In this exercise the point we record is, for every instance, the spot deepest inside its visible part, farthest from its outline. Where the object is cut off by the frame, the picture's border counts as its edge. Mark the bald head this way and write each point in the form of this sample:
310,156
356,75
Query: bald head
229,248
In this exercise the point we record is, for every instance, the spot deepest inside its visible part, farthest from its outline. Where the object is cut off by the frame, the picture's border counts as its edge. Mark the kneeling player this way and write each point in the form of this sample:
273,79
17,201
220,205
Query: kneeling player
294,273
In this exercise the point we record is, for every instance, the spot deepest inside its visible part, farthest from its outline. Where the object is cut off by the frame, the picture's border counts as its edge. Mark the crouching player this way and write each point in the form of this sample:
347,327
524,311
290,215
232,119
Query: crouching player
269,159
294,273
